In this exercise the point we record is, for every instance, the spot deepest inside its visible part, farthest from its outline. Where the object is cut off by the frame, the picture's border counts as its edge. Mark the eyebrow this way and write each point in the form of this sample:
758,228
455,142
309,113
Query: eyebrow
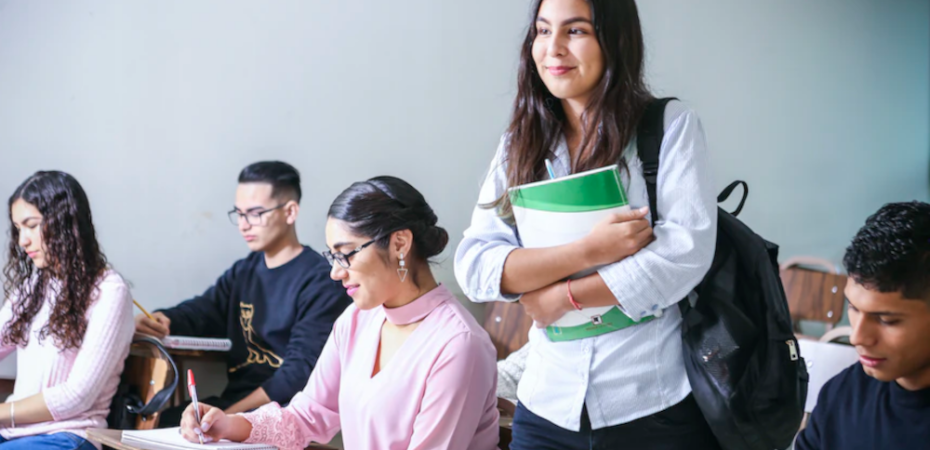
252,209
339,245
566,21
877,313
885,313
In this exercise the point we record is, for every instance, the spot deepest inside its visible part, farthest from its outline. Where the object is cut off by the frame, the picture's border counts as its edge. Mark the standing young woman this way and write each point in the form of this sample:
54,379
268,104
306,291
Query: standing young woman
581,94
66,312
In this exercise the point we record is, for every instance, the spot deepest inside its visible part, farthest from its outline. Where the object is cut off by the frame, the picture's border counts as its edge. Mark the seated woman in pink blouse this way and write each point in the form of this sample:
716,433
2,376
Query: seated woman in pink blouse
66,315
406,366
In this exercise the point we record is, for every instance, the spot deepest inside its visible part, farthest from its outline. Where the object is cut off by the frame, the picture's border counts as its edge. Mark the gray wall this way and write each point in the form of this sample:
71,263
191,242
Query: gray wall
156,105
822,107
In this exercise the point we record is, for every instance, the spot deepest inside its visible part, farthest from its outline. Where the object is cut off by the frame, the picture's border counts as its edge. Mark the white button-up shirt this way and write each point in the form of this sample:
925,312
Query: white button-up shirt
637,371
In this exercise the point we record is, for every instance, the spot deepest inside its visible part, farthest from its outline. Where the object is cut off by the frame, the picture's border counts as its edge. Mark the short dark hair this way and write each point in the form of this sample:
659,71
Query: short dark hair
382,205
891,253
283,178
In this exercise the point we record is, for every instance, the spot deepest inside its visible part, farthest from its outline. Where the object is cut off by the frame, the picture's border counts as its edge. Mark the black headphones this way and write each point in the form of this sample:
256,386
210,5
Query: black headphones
158,401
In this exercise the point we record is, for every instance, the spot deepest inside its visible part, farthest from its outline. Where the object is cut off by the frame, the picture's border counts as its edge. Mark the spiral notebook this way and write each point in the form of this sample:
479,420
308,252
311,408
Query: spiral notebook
196,343
170,439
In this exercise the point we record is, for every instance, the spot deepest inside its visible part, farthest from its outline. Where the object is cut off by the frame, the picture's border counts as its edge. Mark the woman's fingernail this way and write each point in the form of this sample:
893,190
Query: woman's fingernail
198,431
205,426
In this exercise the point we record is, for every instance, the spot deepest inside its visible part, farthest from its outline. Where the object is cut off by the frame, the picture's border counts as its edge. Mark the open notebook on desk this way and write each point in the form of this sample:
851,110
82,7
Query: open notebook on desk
170,439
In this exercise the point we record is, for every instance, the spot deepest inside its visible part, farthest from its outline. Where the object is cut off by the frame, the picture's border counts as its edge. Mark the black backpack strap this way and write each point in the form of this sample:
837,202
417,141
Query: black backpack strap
725,194
158,402
649,136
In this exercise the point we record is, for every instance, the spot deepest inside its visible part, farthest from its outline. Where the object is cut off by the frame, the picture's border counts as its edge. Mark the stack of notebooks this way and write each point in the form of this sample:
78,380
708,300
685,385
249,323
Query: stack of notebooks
170,439
563,210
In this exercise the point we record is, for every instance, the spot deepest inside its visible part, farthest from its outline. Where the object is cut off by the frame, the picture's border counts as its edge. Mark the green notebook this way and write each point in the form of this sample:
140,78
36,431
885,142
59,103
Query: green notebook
563,210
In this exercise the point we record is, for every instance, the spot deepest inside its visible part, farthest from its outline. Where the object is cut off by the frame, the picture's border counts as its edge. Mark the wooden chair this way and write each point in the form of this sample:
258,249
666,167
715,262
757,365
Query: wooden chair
509,328
813,295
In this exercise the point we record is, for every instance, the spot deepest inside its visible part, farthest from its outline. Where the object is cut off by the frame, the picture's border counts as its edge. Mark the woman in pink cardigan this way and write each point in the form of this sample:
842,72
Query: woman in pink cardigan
406,366
67,314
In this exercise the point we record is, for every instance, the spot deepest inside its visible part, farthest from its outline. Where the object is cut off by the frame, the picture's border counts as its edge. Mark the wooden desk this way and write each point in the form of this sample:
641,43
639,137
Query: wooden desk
113,439
108,438
198,354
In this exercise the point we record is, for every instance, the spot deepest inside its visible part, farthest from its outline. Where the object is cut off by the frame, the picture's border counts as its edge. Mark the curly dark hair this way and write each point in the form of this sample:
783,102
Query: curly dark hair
891,253
75,262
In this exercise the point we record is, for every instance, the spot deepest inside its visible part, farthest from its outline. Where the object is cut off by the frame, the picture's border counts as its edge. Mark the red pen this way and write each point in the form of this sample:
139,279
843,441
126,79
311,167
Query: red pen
192,390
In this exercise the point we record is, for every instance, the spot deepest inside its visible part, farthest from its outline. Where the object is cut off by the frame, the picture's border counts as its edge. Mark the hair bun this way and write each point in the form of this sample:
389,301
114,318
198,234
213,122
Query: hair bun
433,241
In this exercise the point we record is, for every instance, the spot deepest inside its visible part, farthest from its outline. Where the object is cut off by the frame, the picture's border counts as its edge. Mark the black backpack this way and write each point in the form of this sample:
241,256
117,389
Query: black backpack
127,404
742,359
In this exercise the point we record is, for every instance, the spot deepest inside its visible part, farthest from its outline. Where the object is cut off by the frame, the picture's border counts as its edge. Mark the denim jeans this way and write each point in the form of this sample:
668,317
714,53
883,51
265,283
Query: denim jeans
681,426
55,441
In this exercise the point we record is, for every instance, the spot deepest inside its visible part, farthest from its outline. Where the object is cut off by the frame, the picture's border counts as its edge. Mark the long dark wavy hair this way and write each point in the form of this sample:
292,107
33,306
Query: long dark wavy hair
74,262
611,116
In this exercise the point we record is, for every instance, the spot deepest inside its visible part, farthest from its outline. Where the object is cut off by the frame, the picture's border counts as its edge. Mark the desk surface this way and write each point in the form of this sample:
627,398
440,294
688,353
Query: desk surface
109,438
113,438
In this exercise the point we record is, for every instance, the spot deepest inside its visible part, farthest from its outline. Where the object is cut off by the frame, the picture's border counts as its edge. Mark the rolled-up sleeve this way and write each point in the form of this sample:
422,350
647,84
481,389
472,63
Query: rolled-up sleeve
488,241
662,273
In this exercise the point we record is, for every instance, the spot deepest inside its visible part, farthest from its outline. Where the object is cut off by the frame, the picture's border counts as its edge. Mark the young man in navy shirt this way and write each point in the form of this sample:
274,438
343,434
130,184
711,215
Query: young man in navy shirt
277,305
884,400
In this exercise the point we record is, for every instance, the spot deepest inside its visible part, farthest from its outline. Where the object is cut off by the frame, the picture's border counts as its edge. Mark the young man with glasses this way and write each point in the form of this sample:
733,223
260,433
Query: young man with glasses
277,305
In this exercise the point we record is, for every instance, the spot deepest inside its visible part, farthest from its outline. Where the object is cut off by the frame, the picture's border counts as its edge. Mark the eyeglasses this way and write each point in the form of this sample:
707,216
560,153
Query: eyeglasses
254,218
343,258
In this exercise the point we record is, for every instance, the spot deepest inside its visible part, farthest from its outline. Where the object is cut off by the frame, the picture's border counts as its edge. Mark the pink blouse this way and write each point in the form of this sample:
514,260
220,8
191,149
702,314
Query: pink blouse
437,392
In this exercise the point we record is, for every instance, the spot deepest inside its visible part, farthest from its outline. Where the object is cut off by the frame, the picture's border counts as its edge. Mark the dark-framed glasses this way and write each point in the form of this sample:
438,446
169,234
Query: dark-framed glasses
343,258
252,217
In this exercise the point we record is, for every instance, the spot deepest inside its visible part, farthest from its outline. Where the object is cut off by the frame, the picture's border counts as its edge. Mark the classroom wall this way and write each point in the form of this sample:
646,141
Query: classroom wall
155,106
822,107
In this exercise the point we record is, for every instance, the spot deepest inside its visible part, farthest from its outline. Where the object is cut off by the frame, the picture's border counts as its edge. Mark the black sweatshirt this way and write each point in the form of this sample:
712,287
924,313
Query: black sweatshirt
278,320
855,411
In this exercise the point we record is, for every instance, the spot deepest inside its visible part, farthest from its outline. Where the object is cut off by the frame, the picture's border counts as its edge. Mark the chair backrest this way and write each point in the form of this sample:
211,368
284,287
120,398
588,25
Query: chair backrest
824,361
840,334
508,326
812,294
